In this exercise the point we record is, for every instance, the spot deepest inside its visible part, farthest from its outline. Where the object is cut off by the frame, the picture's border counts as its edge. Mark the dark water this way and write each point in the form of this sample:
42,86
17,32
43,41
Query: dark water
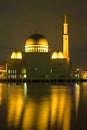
43,106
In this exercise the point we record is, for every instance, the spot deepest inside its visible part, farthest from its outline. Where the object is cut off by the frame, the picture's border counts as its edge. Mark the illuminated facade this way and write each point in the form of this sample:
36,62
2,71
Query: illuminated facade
37,62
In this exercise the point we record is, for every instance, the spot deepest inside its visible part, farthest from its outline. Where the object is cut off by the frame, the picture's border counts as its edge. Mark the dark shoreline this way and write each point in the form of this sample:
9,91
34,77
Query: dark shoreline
41,80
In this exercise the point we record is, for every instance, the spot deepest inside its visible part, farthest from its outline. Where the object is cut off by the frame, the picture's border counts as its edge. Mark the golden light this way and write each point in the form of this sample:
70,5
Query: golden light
42,41
19,55
57,55
37,47
16,103
13,55
28,117
36,43
43,114
60,55
16,55
77,97
67,114
54,55
29,41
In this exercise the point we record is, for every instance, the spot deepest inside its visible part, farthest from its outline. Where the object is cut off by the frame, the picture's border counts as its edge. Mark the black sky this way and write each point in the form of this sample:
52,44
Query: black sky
21,18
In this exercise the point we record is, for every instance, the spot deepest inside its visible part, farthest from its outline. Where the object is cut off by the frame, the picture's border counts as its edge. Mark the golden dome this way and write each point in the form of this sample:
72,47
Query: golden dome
60,54
13,55
42,41
36,43
30,41
16,55
57,55
54,55
36,39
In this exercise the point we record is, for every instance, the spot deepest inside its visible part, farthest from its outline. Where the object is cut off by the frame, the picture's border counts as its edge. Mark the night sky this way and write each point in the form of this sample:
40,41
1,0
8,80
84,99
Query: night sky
21,18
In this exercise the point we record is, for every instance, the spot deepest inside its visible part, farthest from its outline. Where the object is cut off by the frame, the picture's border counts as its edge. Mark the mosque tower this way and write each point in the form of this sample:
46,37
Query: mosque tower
65,38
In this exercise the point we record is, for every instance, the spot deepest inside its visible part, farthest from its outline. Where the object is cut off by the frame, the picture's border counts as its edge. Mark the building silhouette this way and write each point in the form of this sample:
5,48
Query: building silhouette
36,62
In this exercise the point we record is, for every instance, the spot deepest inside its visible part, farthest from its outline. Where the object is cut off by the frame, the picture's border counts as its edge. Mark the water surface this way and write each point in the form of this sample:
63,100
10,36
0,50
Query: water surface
43,106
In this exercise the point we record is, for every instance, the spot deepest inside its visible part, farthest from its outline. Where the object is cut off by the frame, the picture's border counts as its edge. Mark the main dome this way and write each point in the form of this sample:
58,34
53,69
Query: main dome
36,43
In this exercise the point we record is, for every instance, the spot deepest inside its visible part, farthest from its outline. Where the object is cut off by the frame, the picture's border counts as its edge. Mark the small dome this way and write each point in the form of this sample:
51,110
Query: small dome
13,55
57,55
54,55
16,55
36,43
60,54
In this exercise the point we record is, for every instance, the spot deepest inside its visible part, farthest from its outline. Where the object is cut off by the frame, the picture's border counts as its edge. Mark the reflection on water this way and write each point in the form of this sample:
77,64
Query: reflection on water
77,97
60,107
42,106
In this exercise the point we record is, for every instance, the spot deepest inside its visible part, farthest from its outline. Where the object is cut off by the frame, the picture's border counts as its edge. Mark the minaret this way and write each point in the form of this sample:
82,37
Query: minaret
65,39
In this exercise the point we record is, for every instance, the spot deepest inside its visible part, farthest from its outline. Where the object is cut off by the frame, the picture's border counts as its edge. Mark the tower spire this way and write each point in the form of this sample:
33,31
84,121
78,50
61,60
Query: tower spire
65,18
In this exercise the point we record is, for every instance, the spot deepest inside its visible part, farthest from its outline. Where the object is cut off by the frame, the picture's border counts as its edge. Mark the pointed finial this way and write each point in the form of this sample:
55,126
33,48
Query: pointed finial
65,18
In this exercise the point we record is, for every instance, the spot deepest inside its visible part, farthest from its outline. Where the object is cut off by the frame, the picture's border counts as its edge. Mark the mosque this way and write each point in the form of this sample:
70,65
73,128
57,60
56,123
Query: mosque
36,62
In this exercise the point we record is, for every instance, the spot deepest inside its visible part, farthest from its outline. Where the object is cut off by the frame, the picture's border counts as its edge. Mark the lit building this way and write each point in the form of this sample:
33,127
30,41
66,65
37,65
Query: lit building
36,62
